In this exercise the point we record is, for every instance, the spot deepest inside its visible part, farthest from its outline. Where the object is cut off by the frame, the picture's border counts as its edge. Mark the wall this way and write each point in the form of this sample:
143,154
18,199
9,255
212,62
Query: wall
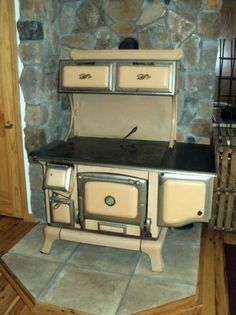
49,29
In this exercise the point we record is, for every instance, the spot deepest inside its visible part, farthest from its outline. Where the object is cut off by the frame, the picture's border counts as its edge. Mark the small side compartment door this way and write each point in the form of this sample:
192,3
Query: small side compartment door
184,199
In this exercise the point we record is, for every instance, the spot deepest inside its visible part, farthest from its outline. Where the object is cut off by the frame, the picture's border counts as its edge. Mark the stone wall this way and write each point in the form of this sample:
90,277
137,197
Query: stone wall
49,29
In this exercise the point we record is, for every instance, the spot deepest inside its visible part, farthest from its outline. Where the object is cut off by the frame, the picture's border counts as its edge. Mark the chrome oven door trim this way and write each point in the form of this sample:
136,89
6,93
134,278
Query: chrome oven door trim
139,183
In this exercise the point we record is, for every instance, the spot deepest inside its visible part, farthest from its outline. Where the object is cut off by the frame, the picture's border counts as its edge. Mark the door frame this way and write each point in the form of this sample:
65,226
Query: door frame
15,145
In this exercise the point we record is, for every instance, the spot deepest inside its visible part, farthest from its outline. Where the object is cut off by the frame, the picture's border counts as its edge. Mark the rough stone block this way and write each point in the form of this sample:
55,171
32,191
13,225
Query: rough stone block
31,84
205,108
65,52
54,130
189,111
209,24
51,38
32,8
188,9
123,28
151,12
65,102
201,128
78,41
30,30
30,52
191,52
209,53
180,28
200,83
36,177
123,10
66,19
36,116
34,138
35,53
155,35
51,9
38,205
50,88
214,4
180,135
105,38
64,124
89,16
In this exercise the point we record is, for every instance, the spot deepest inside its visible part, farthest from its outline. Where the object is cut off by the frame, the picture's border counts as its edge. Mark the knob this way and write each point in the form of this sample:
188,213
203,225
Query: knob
109,201
8,124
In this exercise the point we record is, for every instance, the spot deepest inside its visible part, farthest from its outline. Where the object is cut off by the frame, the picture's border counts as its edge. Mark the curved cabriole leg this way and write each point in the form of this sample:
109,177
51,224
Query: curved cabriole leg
51,234
154,250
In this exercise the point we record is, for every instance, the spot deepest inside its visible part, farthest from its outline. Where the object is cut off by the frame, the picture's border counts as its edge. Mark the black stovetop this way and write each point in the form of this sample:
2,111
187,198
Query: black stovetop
130,153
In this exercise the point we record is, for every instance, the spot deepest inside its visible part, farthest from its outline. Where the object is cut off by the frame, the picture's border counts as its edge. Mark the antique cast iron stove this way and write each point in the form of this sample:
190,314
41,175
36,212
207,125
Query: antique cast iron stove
120,179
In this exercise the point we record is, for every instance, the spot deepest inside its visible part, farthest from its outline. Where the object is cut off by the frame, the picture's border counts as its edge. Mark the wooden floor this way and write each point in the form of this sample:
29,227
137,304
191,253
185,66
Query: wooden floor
211,298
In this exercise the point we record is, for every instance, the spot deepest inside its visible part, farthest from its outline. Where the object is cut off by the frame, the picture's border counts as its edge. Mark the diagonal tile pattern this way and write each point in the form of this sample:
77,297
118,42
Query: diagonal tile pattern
118,282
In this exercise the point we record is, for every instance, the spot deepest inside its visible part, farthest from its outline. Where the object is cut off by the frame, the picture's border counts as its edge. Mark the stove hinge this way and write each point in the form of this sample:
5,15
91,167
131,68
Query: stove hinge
147,228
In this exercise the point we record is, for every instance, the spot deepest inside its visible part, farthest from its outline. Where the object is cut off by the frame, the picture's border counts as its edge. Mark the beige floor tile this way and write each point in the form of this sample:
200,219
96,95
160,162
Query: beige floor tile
192,235
145,293
31,245
101,280
86,290
181,262
102,258
34,273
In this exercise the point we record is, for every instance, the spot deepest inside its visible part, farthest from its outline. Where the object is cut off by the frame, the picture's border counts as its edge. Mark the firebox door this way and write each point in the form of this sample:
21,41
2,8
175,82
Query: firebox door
112,198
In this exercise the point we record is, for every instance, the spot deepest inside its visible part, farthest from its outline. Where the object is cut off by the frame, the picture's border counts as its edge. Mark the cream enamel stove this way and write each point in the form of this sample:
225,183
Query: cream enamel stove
120,179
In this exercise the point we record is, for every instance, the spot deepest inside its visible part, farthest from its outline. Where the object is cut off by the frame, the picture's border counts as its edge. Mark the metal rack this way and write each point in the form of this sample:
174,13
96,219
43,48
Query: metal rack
225,106
224,135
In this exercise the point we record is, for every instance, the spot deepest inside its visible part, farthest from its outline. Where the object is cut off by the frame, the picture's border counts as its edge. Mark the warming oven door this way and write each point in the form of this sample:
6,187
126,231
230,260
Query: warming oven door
112,198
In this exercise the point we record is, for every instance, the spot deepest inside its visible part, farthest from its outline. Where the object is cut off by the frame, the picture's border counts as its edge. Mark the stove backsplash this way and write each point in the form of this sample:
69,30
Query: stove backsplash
49,29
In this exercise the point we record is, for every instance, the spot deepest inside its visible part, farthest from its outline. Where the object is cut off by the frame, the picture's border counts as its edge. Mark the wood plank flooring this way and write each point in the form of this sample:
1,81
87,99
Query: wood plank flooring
211,298
11,230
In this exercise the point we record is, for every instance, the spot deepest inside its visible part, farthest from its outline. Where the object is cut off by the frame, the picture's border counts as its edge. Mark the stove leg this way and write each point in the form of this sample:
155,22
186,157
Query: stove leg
51,234
154,250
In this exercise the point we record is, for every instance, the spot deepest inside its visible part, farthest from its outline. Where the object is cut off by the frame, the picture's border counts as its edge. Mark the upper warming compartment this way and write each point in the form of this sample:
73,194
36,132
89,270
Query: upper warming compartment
121,72
116,91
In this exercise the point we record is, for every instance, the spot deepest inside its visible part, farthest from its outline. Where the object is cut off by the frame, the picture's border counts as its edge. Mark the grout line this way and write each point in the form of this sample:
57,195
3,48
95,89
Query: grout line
127,285
55,275
94,269
50,282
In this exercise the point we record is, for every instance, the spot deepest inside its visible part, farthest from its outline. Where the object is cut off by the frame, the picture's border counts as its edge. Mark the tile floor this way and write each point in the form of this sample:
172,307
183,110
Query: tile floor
102,280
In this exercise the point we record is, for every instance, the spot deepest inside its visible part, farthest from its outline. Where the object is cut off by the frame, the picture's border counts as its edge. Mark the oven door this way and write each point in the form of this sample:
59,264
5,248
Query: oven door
112,198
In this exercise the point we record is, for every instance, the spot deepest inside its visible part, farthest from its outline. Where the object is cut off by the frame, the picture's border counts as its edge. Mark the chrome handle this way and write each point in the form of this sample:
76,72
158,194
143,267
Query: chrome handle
143,76
8,124
83,76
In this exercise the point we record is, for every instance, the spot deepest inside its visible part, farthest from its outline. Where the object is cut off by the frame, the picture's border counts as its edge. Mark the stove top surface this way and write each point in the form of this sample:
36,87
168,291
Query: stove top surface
130,153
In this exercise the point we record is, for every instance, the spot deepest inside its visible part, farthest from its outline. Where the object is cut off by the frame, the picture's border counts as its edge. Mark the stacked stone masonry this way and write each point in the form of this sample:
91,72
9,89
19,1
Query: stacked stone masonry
49,29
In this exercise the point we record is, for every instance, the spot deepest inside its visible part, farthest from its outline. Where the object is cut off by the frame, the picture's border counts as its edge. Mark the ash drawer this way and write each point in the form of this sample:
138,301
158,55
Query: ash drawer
62,211
85,77
159,78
